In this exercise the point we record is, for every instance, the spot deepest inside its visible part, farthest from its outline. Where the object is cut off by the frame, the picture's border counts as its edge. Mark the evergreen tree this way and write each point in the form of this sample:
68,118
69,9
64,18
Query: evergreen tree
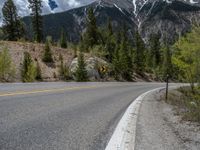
116,64
125,61
154,56
47,57
28,69
122,62
81,72
63,39
36,7
167,62
110,42
91,37
12,25
7,71
139,56
110,28
38,72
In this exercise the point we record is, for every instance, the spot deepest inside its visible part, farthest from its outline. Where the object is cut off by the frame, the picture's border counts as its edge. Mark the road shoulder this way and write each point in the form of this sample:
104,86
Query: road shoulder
158,127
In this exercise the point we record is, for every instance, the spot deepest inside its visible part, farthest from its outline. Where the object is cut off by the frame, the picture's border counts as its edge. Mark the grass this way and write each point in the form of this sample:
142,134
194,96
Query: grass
186,102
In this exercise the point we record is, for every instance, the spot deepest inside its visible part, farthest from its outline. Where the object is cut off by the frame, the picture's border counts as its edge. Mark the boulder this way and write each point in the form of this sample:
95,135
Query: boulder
93,65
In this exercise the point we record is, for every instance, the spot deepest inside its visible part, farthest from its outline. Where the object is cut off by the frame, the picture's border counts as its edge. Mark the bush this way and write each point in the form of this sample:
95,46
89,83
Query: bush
38,72
47,57
28,69
63,39
63,70
81,72
7,71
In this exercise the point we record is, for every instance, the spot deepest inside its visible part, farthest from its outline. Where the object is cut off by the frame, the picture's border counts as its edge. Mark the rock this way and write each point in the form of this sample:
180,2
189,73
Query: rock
93,65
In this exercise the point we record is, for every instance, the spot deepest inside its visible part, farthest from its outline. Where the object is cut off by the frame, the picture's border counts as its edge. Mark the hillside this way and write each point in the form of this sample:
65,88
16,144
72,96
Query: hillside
49,72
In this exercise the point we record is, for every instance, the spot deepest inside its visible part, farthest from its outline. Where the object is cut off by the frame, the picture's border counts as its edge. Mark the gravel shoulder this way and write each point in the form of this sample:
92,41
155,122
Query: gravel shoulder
160,128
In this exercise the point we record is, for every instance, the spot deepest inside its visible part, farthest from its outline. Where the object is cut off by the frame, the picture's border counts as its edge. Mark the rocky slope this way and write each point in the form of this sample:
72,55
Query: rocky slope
170,18
49,72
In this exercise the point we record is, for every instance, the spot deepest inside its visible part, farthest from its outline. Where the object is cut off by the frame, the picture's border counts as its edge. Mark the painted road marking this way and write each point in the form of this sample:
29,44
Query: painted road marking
46,91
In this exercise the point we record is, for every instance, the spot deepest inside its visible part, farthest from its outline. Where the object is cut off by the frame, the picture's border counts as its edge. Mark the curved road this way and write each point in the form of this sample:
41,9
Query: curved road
63,116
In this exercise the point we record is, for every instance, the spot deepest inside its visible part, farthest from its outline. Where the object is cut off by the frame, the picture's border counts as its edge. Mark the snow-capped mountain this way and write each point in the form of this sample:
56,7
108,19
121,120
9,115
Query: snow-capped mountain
169,18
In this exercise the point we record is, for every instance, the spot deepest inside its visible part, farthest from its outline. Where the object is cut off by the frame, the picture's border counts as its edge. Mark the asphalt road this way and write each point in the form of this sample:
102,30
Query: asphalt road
63,116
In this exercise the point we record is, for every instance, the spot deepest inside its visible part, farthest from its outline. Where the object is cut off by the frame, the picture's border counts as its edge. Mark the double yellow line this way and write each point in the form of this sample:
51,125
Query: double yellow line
46,91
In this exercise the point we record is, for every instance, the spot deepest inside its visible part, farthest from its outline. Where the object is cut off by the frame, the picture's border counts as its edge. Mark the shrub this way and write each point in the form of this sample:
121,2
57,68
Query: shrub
7,71
28,69
38,72
47,57
81,72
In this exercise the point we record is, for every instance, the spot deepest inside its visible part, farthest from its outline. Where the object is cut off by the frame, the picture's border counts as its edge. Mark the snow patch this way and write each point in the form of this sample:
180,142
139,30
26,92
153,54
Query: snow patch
119,9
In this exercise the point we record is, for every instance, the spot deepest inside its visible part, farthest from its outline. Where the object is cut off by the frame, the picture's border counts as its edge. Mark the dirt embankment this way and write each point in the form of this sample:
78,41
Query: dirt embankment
50,72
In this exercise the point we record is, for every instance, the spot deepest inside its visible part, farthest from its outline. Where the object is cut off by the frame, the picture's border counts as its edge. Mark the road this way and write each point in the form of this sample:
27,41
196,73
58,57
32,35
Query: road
63,116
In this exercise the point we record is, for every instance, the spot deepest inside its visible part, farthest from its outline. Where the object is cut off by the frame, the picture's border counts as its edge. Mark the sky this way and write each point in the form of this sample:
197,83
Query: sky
49,6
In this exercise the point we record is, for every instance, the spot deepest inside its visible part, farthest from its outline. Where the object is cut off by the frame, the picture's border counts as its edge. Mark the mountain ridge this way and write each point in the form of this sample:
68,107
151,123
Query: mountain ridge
167,18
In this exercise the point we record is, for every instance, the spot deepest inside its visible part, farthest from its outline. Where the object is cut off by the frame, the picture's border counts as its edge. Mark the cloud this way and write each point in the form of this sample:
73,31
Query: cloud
63,5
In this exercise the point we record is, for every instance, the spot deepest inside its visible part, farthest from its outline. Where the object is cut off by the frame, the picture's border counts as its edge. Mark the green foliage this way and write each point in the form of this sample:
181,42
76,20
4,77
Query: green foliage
1,34
110,28
63,69
47,57
38,72
139,55
154,53
122,62
167,67
116,64
36,7
91,36
28,73
12,25
63,39
81,72
110,42
125,60
186,56
7,71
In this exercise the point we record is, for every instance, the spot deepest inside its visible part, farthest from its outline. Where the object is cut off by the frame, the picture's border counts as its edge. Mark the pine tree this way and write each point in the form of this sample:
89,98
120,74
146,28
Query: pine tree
110,42
38,72
36,7
154,56
110,28
28,69
47,57
91,37
167,63
81,72
139,56
116,64
122,62
12,25
63,39
125,61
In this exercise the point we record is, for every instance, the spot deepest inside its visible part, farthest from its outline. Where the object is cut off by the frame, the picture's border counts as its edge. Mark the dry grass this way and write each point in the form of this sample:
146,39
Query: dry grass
186,102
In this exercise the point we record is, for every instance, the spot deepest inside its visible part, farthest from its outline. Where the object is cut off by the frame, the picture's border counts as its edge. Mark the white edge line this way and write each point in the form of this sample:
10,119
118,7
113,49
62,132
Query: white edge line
123,137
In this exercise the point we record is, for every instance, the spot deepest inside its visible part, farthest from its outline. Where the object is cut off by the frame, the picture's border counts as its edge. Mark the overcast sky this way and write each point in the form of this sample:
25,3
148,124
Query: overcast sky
63,5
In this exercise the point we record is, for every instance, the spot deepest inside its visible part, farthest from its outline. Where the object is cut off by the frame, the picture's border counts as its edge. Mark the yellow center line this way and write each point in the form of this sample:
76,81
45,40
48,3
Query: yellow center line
46,91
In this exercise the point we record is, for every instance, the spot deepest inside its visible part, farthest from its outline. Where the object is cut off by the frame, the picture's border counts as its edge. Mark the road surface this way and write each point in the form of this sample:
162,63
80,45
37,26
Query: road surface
63,116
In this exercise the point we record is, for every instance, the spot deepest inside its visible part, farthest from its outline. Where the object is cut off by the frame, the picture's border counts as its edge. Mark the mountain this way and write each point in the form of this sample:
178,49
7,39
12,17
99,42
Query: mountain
169,18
